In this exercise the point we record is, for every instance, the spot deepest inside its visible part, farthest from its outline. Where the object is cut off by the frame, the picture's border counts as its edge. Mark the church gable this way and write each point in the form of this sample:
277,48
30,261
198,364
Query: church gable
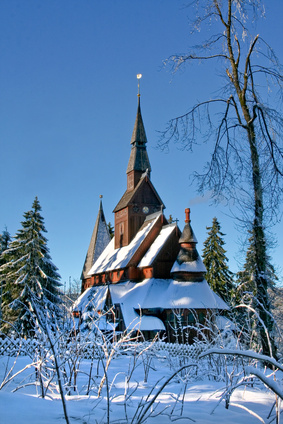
146,195
132,210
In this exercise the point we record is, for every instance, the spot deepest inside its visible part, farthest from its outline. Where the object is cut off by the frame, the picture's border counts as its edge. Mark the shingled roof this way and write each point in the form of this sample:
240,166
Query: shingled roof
188,259
139,160
128,196
99,240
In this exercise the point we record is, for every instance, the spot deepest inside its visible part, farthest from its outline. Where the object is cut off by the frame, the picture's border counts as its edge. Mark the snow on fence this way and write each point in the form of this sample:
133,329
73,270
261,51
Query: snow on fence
92,349
175,349
13,347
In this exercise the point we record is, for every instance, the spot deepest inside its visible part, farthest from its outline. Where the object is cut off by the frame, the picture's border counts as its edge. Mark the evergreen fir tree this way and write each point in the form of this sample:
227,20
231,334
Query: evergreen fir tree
218,275
5,239
245,278
28,271
110,229
247,293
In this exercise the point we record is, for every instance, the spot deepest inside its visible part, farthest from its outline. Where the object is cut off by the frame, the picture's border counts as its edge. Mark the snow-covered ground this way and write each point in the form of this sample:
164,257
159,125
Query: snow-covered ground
194,397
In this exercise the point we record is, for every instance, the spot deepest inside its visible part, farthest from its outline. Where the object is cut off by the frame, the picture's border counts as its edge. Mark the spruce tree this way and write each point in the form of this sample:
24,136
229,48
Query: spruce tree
29,272
5,239
246,277
110,229
218,275
247,293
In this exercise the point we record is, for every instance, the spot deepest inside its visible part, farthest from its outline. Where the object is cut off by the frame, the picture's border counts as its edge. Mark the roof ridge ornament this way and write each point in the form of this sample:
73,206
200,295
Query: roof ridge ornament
100,203
138,78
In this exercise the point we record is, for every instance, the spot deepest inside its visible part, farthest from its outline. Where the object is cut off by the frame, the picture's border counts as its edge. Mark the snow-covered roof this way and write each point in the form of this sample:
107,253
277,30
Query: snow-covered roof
156,246
136,321
93,296
151,293
166,294
225,324
99,240
188,235
105,325
193,266
112,258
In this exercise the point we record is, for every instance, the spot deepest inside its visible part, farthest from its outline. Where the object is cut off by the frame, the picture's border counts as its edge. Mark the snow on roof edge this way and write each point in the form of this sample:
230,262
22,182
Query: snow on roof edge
157,245
112,258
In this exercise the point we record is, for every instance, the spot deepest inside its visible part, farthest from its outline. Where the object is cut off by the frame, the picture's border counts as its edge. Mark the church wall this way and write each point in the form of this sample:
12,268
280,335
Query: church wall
145,245
121,228
178,322
167,256
148,272
135,223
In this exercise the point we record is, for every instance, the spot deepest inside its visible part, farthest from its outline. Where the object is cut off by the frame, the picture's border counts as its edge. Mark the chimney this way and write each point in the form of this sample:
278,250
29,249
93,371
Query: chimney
187,212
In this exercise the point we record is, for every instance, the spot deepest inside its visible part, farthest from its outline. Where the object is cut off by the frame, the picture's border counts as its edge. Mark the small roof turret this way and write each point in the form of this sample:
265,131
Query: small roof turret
188,234
188,265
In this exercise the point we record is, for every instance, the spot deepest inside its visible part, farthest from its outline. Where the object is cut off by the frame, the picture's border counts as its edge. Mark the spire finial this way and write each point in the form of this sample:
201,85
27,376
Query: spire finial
100,203
138,78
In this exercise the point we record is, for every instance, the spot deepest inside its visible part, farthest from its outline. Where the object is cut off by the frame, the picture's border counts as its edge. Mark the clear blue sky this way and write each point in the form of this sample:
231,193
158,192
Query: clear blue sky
68,99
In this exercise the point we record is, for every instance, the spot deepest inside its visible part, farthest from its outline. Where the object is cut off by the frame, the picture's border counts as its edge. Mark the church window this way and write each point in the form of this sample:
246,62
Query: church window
201,317
191,317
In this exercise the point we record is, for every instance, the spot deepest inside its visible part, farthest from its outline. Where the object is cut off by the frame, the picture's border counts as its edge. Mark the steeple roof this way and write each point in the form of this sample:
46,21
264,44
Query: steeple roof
188,265
99,240
139,135
138,158
188,235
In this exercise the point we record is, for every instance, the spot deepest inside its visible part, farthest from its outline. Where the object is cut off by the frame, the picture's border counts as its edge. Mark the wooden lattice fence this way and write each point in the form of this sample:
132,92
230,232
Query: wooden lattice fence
13,347
91,349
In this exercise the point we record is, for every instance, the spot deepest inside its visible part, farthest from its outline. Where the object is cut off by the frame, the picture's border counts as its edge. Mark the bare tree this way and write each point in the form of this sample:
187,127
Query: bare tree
247,160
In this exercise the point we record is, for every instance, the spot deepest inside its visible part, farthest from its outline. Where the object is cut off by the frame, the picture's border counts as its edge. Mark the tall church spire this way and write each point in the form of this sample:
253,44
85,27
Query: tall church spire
99,240
139,135
139,161
140,198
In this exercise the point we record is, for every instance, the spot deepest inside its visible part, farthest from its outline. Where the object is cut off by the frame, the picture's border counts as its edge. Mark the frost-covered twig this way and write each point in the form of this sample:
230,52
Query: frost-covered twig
245,353
142,415
266,380
249,411
10,377
44,327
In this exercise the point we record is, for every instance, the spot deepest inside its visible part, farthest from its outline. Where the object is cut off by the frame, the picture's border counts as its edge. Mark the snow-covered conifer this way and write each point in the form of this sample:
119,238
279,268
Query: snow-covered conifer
110,229
5,239
245,277
27,268
247,292
218,275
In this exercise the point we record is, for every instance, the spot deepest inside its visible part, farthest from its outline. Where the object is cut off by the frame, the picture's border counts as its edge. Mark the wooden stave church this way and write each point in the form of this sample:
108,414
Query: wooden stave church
150,273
